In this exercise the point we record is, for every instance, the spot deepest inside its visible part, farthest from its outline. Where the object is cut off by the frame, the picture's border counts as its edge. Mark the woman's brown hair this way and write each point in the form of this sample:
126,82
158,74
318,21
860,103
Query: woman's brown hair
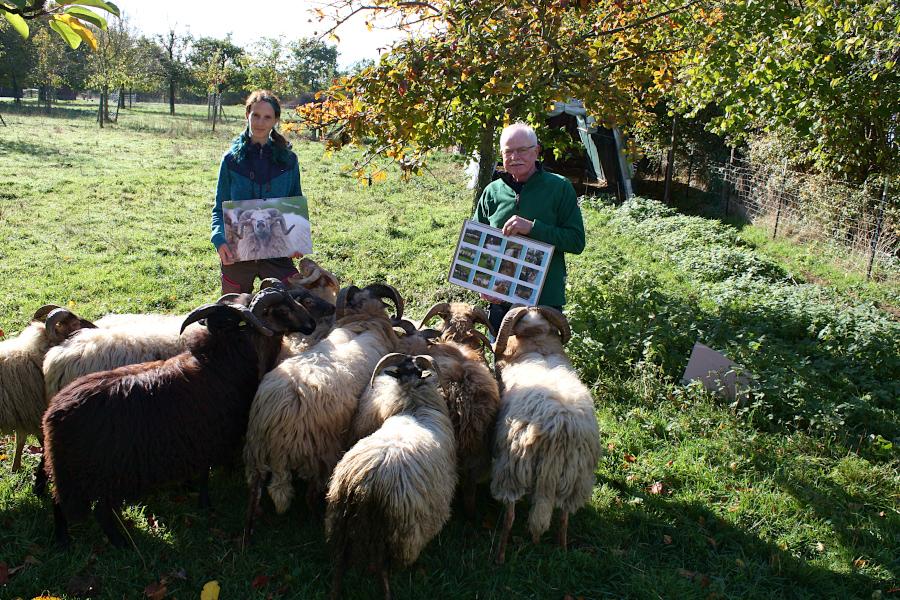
267,96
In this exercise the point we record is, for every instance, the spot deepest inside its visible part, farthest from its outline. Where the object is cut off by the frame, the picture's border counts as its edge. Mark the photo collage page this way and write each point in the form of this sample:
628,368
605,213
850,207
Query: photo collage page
509,268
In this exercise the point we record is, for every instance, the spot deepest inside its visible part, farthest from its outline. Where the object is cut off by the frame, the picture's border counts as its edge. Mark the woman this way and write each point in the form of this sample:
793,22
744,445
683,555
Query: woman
259,165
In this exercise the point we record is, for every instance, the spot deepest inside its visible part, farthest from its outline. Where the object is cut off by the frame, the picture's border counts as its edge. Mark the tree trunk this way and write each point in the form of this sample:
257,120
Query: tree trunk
131,98
121,100
106,105
215,110
100,110
670,166
17,92
486,161
172,97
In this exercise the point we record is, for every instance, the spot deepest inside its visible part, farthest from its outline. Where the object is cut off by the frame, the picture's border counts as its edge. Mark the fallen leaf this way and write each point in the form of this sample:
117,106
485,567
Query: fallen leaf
156,591
667,540
629,458
1,333
860,563
259,581
32,449
210,591
712,542
46,597
657,488
670,463
83,585
610,446
820,547
4,573
4,456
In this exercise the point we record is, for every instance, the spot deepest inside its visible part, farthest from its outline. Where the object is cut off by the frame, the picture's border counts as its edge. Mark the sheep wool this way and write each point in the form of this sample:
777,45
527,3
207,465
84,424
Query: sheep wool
390,494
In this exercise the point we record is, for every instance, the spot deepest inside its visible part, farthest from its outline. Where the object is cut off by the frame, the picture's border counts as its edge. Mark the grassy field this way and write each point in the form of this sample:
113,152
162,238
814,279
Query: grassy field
796,495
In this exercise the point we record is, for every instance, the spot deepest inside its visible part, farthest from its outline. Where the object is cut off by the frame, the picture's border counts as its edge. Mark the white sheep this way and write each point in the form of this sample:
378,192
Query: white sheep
390,493
467,385
301,414
547,442
22,401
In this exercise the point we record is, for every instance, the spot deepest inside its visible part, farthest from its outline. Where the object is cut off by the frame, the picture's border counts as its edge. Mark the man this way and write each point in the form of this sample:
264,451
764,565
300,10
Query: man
528,201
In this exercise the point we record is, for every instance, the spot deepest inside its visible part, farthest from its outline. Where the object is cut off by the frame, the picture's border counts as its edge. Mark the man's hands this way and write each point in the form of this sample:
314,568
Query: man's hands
225,254
517,225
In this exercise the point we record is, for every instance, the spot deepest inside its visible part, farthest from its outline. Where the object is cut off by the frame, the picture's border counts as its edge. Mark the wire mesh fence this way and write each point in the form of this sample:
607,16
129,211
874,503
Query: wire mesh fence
861,222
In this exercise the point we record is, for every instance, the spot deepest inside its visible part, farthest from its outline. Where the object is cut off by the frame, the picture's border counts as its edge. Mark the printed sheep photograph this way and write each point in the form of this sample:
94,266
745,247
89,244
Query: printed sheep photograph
268,228
403,300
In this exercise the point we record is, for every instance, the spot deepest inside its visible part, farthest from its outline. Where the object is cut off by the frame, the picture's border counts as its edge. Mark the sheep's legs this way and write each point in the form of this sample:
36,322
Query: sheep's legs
17,455
60,527
203,488
468,497
337,578
504,535
386,582
252,507
105,515
40,479
563,528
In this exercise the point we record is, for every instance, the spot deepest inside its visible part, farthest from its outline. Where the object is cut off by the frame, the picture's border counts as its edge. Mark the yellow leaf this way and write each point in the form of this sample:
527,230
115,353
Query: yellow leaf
4,456
210,591
379,176
83,32
44,597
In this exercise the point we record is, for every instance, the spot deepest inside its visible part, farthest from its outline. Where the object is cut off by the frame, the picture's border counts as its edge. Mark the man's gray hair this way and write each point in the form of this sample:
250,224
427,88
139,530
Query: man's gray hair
515,127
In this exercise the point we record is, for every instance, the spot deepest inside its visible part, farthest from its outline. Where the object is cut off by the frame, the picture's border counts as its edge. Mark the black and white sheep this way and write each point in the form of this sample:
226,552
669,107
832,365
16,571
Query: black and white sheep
390,493
301,415
22,401
547,443
116,435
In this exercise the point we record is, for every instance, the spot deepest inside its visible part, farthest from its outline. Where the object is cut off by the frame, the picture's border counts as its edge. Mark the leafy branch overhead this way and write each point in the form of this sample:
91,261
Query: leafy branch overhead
69,18
468,67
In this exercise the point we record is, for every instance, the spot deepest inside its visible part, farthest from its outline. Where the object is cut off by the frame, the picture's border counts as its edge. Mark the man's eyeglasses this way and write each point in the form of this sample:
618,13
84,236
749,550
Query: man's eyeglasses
517,151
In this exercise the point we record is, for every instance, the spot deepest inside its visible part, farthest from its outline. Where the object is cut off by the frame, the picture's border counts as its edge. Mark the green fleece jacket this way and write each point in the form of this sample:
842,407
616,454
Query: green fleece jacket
549,200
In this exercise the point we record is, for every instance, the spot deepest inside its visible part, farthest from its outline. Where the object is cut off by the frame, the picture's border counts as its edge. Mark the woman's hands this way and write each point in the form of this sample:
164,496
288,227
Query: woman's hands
225,254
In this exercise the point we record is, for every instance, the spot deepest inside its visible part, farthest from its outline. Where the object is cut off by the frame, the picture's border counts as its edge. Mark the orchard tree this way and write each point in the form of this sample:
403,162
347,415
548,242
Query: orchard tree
49,67
481,64
821,73
228,59
173,60
312,65
17,59
265,65
68,18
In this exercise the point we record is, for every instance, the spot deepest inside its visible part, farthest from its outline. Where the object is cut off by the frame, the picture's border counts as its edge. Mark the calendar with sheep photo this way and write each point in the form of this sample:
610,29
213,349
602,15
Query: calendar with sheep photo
511,268
272,228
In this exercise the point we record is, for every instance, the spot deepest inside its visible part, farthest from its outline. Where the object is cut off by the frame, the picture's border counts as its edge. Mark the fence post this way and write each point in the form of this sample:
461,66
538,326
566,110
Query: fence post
726,171
878,224
780,198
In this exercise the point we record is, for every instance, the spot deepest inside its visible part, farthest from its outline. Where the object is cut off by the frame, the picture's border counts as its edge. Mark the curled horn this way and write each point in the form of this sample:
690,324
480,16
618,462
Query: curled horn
299,280
388,360
268,297
483,318
506,327
485,342
423,362
407,326
558,320
41,313
271,282
235,310
384,290
234,298
344,296
279,220
442,309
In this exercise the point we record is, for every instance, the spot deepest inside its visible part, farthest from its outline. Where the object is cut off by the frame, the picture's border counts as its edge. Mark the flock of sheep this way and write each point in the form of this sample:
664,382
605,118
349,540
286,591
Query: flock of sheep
385,418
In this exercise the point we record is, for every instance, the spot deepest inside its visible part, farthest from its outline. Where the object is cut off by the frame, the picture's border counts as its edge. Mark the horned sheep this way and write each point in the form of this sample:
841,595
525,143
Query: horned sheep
115,435
547,442
390,493
300,417
22,401
467,384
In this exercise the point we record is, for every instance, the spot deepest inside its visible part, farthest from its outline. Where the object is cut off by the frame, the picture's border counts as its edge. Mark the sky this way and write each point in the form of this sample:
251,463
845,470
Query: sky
251,20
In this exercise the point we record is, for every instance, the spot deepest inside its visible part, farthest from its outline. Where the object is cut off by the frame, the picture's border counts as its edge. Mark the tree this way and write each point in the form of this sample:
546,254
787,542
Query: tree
174,62
821,73
312,65
488,63
215,65
69,19
112,64
49,67
265,65
17,59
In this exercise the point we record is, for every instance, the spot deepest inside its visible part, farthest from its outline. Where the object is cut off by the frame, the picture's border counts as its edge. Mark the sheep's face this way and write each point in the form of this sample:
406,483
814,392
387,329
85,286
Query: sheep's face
260,224
317,307
533,325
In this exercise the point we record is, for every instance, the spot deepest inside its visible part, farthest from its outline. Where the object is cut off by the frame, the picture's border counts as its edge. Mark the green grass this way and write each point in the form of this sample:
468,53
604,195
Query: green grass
750,507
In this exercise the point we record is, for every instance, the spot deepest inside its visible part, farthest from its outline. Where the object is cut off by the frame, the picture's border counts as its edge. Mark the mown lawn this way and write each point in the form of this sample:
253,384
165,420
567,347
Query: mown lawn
793,496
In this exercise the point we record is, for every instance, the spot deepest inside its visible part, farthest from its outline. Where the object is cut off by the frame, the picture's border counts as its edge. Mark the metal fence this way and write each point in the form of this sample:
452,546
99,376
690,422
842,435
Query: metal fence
861,222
